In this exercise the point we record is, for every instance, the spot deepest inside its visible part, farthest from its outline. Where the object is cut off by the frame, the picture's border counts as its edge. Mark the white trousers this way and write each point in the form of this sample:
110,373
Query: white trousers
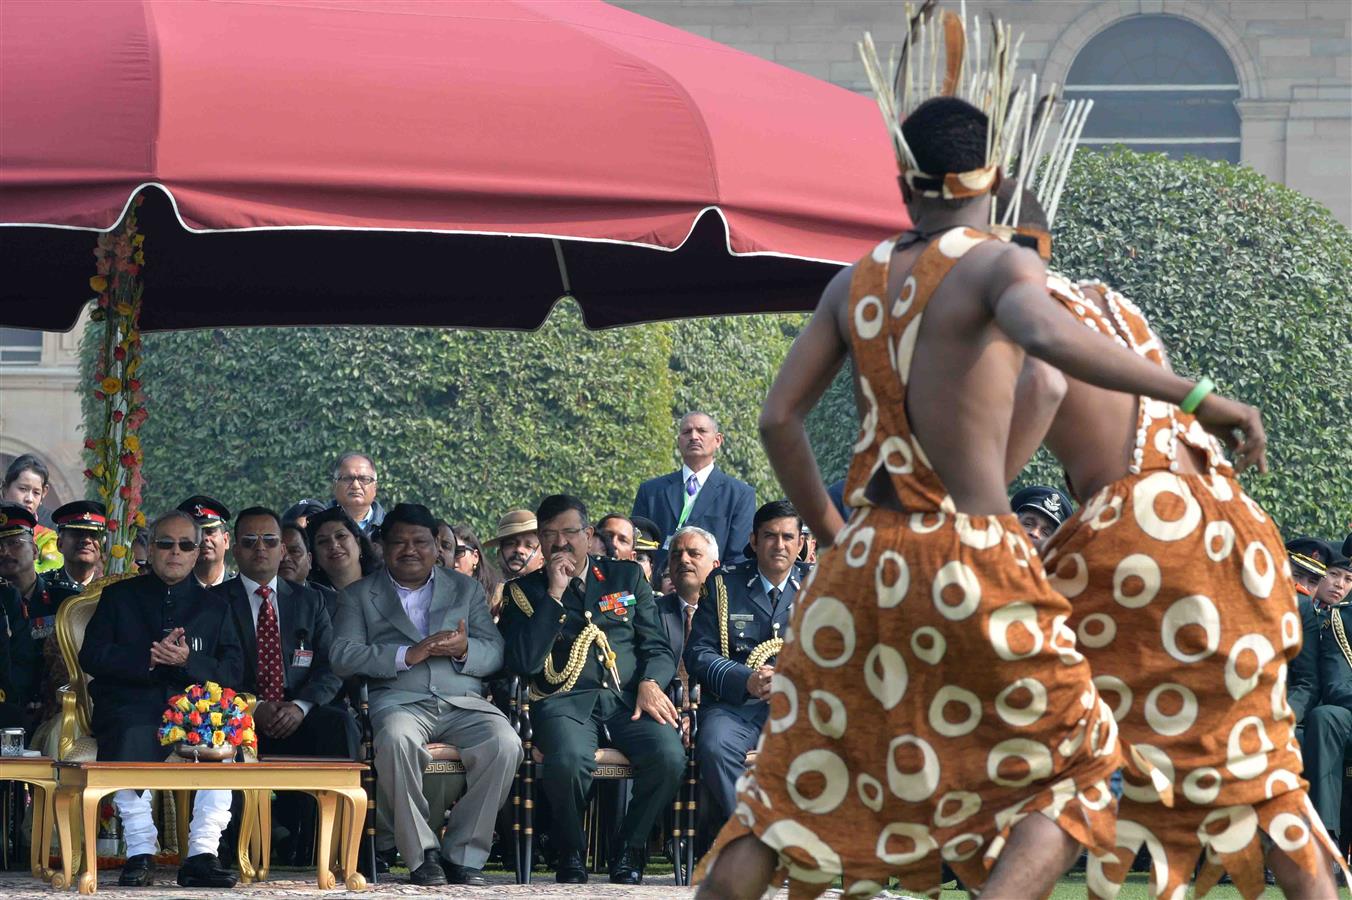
210,815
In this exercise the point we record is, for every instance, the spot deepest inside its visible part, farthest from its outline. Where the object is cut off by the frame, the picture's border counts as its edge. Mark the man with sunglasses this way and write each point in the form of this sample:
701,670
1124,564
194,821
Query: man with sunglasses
149,638
213,518
354,489
286,634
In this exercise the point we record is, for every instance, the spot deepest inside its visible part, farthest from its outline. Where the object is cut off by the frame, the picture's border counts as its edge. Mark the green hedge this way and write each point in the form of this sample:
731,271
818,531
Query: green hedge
1246,281
471,423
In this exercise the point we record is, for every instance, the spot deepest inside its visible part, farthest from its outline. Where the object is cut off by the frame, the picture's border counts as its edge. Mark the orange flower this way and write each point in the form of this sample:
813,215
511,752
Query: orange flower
110,385
99,283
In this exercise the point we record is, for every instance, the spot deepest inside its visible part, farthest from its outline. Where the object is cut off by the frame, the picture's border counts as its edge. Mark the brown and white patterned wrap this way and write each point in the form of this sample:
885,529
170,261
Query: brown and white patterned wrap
1183,604
930,694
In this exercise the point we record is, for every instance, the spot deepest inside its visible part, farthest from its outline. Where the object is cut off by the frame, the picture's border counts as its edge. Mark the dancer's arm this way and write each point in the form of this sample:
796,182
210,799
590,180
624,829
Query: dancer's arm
1037,397
1018,302
812,363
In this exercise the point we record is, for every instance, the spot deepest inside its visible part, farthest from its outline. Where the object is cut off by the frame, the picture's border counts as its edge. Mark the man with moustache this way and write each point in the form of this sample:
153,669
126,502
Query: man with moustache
1040,510
424,638
286,635
518,544
149,638
81,527
692,559
213,518
296,559
556,623
354,489
28,602
735,637
699,493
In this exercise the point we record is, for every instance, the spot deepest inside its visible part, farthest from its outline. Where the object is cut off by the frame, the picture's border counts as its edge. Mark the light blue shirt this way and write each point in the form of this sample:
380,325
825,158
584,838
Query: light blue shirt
766,585
417,603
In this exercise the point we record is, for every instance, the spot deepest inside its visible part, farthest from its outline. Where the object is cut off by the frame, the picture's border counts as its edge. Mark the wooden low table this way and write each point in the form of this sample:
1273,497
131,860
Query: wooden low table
85,784
37,771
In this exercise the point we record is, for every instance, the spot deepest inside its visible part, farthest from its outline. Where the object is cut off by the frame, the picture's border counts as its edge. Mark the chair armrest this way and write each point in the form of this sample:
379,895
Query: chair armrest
70,720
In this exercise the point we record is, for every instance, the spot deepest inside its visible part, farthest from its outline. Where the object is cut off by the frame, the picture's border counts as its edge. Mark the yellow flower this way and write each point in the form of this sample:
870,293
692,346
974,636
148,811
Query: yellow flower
217,738
139,257
140,519
241,703
184,704
177,734
133,366
118,551
203,705
123,309
138,239
99,470
99,283
212,687
103,492
216,720
110,385
248,737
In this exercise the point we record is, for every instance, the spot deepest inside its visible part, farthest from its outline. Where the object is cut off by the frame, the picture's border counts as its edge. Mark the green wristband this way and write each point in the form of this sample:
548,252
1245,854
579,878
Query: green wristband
1198,393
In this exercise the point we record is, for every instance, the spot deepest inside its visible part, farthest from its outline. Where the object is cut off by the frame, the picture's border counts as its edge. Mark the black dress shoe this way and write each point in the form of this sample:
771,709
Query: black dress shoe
458,874
205,871
628,867
430,872
137,871
385,860
571,869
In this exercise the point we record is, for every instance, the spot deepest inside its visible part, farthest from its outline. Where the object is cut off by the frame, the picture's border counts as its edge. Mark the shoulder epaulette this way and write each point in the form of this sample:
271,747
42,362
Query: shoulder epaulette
519,598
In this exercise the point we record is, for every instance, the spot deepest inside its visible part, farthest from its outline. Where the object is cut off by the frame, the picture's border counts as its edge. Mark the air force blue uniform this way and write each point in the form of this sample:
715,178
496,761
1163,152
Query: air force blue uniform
730,720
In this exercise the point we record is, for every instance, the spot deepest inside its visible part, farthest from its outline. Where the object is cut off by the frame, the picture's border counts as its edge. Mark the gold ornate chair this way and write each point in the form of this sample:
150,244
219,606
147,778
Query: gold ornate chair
76,742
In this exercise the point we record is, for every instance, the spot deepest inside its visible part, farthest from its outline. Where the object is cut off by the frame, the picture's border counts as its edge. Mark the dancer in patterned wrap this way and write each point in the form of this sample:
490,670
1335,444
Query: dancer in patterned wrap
930,704
1184,605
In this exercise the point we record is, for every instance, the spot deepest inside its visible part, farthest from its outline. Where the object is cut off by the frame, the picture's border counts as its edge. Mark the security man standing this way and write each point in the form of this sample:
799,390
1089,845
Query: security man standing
735,637
81,527
584,633
29,602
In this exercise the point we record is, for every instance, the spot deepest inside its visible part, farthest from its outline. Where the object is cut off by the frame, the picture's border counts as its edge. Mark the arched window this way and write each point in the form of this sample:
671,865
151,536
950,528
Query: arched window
1159,84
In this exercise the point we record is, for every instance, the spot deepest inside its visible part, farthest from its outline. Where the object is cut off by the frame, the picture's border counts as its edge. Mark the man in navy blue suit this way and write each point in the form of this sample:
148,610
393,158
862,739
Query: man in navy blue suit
699,493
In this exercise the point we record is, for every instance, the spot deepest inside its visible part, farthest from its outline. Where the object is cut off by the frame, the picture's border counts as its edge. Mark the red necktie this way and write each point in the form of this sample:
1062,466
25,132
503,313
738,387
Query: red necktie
270,679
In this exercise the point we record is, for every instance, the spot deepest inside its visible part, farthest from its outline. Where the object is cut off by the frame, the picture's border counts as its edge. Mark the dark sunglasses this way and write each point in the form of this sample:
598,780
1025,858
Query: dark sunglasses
183,544
250,541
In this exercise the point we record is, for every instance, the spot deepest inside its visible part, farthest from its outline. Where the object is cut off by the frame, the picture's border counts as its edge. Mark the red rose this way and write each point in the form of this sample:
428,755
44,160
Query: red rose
89,473
89,443
127,459
112,524
178,718
227,696
119,353
194,737
236,738
117,415
99,395
134,384
195,718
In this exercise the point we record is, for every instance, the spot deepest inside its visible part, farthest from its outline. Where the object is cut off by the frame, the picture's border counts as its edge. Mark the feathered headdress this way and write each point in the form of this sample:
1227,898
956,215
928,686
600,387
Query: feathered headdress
942,56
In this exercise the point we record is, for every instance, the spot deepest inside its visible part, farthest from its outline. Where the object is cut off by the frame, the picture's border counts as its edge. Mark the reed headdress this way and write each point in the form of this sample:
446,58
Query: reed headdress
943,55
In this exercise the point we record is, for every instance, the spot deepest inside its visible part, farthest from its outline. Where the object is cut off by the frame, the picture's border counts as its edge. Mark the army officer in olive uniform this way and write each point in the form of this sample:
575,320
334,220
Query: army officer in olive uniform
556,622
735,636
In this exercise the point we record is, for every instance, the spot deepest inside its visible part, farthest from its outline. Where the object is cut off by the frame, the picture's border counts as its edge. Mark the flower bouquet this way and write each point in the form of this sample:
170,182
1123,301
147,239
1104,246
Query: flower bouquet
208,722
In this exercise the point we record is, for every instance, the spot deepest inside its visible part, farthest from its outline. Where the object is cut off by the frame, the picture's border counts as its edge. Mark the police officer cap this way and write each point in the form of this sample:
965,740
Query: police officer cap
646,535
208,511
1052,503
84,515
15,519
307,507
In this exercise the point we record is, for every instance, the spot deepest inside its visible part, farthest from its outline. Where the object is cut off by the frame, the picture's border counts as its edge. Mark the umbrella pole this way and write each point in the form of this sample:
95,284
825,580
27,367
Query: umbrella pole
116,448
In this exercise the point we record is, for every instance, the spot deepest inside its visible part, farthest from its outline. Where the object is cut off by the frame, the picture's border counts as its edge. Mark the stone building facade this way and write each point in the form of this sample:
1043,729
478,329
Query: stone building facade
1267,83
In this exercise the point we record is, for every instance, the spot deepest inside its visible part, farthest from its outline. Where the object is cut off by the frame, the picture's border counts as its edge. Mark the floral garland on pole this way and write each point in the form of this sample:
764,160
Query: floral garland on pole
117,451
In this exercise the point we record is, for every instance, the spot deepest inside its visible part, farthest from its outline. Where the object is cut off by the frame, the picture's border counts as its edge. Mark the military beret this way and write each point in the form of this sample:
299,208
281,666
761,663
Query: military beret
85,515
206,510
15,519
1049,501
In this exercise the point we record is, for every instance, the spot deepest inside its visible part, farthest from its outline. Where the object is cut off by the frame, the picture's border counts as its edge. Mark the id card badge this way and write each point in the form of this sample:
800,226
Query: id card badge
303,658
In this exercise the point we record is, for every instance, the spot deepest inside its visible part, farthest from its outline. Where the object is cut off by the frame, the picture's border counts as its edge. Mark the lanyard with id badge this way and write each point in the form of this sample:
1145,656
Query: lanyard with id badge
303,657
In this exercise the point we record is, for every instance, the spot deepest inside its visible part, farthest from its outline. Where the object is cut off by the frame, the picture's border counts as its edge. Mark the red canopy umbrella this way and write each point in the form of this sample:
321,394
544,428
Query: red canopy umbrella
421,162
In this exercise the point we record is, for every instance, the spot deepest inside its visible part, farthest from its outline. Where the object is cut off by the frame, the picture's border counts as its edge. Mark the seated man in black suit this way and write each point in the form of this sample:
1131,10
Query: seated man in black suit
151,637
286,633
699,493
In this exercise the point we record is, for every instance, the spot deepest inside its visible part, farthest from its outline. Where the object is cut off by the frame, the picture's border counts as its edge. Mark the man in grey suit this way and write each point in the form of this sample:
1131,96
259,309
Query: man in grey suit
425,639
